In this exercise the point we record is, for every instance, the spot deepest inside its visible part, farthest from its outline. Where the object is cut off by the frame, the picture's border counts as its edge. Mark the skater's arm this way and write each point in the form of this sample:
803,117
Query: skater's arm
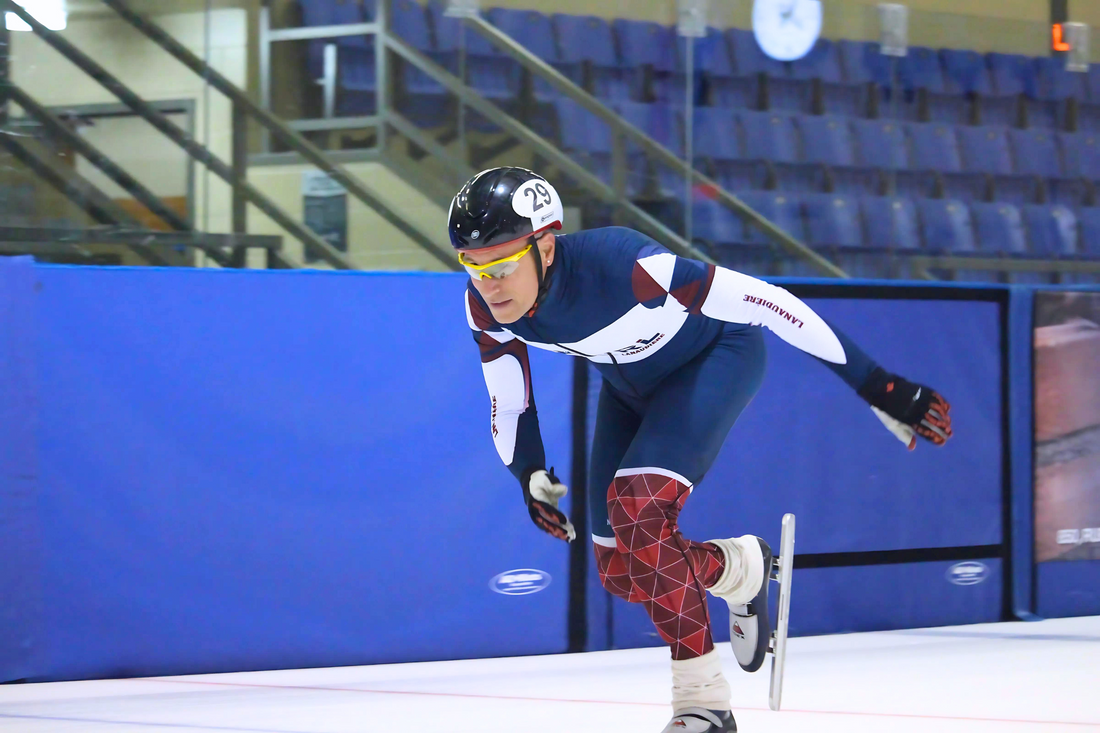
733,297
513,418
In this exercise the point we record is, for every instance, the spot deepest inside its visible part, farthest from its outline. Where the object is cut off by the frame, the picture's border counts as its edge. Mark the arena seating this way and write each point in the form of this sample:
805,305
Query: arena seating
941,150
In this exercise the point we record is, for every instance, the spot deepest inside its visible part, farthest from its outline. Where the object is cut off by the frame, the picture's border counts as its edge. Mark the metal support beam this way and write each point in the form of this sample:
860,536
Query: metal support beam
5,67
79,145
311,241
240,175
278,129
322,31
82,193
131,236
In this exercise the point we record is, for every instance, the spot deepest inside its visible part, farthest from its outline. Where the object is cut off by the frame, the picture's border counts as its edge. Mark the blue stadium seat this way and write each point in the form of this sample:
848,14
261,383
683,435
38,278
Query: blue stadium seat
984,149
832,220
891,223
1053,82
1092,84
1052,230
646,43
925,72
487,70
822,62
933,147
586,38
965,72
747,56
825,63
1089,221
769,136
749,62
853,59
410,24
711,54
1034,153
712,222
826,139
780,209
1088,118
536,32
1010,75
772,136
880,143
587,139
658,121
580,130
999,228
833,223
1080,154
716,134
946,225
922,70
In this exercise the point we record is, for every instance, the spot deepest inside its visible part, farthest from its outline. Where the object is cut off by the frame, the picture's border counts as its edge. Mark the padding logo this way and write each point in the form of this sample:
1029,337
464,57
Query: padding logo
522,582
968,573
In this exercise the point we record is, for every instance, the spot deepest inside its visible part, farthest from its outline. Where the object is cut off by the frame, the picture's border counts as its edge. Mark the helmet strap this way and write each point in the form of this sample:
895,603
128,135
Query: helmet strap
544,281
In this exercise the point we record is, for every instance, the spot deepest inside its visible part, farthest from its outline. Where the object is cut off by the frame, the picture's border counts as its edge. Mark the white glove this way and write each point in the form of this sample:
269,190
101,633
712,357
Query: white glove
542,491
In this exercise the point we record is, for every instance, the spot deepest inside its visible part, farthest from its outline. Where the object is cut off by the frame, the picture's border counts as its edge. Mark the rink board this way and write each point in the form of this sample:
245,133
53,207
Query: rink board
256,470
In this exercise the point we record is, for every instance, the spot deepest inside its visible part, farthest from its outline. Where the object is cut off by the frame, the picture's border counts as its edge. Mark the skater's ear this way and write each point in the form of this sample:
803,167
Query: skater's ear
546,248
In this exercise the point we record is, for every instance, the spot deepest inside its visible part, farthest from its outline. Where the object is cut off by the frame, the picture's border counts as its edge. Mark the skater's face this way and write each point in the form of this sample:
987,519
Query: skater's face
510,297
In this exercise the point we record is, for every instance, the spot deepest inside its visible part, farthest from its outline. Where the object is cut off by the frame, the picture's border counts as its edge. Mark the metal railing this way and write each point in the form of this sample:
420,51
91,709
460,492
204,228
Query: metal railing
613,193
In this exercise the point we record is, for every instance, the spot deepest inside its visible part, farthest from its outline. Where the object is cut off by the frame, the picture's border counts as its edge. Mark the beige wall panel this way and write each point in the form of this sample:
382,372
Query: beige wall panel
373,242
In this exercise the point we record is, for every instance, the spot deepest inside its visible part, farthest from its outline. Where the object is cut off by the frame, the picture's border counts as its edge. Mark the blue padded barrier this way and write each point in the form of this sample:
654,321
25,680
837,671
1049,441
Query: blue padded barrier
249,470
20,538
808,445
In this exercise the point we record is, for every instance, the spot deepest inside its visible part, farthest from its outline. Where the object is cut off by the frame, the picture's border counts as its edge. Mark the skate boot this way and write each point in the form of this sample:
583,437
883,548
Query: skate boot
701,720
744,586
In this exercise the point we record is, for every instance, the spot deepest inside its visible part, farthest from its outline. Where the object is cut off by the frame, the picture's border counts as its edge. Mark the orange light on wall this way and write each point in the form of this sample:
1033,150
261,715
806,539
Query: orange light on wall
1056,38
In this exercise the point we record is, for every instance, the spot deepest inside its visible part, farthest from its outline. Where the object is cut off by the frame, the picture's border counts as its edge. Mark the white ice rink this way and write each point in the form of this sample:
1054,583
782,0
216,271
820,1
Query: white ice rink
1001,677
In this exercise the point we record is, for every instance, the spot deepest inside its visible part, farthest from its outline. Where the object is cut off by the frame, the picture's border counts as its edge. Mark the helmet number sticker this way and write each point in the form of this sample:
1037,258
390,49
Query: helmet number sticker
531,197
537,200
539,195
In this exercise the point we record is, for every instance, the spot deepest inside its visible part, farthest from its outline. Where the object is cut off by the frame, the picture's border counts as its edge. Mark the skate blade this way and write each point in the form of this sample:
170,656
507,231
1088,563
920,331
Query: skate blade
782,569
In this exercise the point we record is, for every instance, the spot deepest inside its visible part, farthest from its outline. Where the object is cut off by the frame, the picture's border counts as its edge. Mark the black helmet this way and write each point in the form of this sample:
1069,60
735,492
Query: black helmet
501,205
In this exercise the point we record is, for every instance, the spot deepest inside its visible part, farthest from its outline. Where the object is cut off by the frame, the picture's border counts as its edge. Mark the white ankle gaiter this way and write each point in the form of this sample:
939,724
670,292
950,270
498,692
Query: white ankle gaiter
699,683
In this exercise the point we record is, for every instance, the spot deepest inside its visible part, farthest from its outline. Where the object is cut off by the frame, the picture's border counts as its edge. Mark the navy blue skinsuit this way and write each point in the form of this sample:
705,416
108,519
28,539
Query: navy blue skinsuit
678,342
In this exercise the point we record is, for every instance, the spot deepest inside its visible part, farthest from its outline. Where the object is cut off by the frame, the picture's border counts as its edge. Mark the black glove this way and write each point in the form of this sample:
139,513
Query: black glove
907,409
541,491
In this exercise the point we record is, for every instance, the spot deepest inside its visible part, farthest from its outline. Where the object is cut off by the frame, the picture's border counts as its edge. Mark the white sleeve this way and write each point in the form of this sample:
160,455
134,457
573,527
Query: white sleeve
508,399
737,298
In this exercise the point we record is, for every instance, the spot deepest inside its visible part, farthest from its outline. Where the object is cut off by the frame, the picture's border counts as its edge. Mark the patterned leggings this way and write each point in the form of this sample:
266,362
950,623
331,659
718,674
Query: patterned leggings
646,456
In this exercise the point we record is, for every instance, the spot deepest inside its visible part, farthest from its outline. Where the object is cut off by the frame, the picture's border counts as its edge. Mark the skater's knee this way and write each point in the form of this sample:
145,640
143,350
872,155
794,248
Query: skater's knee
612,566
645,499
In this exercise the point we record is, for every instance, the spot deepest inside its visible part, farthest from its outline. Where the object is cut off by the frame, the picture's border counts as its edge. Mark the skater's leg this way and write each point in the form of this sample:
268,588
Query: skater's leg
686,422
616,424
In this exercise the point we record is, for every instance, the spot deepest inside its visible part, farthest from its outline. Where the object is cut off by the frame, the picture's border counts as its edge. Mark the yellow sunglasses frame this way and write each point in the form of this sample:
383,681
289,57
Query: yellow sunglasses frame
479,270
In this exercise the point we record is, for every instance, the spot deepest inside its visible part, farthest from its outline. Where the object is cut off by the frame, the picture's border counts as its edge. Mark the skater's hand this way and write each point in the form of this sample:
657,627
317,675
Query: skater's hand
541,491
908,409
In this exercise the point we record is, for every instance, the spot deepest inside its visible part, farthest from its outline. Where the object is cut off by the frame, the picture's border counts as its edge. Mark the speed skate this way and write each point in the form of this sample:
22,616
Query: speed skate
752,634
781,570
